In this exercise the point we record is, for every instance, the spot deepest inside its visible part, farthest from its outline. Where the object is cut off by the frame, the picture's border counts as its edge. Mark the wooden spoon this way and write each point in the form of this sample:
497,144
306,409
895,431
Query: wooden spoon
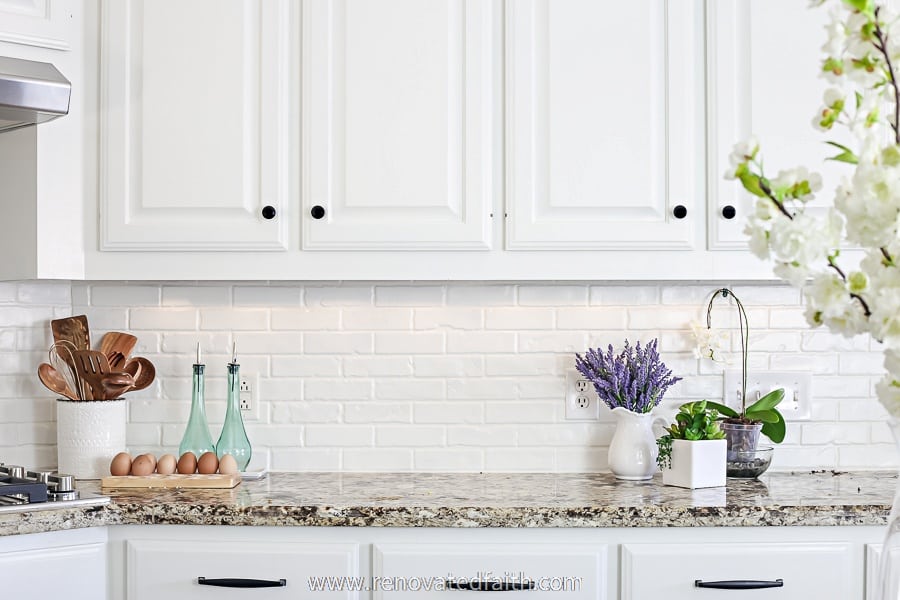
54,382
145,376
116,341
115,384
72,329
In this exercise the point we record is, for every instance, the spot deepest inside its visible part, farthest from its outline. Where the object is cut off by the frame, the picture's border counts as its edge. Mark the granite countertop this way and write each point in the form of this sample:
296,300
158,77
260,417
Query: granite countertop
818,498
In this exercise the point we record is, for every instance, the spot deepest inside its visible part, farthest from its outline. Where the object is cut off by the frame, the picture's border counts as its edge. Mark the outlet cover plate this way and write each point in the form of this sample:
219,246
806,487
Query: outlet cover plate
249,390
797,403
582,403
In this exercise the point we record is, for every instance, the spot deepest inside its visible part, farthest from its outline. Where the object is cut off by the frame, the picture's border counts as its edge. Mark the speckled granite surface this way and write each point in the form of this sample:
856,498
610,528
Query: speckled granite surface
489,500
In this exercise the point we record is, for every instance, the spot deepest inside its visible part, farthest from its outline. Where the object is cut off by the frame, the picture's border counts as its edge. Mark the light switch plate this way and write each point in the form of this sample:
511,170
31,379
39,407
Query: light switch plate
797,385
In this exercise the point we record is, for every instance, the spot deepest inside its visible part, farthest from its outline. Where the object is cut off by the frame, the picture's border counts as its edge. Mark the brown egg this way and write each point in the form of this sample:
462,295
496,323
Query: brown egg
142,465
120,464
187,464
150,457
227,464
207,463
166,464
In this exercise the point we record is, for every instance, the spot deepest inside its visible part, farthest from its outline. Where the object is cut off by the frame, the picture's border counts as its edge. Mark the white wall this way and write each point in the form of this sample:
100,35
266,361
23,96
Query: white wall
458,377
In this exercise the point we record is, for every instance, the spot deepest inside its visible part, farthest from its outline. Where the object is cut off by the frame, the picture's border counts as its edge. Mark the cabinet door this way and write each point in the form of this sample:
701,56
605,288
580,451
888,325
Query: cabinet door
39,23
194,124
171,569
764,63
807,570
604,117
536,571
397,124
29,563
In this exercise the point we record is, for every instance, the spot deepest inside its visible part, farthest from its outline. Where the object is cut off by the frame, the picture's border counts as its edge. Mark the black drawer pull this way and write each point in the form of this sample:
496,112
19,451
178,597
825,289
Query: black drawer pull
268,212
680,211
489,586
739,584
317,212
729,212
240,582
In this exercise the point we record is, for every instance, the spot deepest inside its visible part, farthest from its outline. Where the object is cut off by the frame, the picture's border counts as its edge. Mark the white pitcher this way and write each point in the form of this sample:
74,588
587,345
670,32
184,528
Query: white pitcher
633,450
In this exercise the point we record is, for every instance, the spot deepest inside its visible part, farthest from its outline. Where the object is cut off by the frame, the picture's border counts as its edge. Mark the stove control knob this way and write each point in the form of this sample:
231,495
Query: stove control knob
62,483
15,471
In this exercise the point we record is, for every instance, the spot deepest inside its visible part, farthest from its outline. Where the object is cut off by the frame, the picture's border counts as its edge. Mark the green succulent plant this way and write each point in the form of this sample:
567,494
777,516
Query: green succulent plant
695,421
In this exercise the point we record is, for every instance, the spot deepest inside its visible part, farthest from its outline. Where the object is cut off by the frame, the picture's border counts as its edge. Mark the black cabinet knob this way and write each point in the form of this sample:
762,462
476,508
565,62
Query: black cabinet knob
679,211
728,212
317,212
268,212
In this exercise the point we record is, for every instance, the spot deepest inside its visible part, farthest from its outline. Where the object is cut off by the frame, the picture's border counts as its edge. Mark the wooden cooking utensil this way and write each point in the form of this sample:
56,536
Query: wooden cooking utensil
72,329
116,384
116,341
62,359
145,376
54,382
91,366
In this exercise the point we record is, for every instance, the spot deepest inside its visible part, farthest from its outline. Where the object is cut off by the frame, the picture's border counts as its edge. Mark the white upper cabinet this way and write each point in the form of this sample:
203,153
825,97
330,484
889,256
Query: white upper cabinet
604,124
764,61
397,138
194,123
38,23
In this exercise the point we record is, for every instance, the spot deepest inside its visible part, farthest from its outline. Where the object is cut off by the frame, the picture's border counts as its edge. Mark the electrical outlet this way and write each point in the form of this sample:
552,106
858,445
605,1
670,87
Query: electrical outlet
797,403
582,403
249,397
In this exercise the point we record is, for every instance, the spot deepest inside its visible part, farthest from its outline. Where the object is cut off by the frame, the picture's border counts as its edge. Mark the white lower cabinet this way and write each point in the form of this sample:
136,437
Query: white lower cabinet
70,564
758,570
535,571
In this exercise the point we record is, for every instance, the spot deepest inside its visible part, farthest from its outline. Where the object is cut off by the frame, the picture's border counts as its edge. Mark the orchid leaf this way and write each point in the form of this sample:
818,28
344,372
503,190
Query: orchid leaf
767,402
723,410
775,431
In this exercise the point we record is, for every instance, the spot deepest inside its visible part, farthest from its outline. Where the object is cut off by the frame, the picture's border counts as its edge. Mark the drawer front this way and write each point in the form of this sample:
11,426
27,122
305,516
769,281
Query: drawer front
808,570
166,569
571,571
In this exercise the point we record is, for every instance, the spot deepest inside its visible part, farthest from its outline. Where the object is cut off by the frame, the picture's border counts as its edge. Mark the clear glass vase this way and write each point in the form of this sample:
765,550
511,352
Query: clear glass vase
196,436
233,440
887,586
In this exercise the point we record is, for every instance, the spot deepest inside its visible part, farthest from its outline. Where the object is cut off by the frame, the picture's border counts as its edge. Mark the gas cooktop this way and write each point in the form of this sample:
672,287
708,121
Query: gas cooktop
24,490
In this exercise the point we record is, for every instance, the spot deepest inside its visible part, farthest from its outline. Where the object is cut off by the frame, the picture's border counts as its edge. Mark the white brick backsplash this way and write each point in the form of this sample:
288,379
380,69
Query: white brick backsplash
157,319
409,435
448,318
306,366
306,319
517,319
267,296
236,319
124,295
196,296
408,295
523,460
448,366
377,459
553,295
377,412
339,436
481,295
459,460
338,343
612,295
597,317
431,377
377,366
481,342
409,343
493,435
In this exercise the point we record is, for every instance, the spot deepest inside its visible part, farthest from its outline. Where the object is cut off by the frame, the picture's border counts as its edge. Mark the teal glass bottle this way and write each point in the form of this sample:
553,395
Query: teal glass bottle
196,437
233,440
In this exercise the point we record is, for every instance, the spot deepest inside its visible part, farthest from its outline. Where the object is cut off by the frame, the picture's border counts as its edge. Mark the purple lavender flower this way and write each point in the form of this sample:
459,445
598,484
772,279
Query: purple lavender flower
635,379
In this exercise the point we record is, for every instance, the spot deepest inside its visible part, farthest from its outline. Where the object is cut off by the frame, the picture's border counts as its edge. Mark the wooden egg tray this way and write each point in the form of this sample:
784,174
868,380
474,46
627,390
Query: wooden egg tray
198,481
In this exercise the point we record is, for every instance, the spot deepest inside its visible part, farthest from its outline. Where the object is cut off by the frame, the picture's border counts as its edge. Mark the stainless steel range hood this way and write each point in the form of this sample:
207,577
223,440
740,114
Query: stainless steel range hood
30,93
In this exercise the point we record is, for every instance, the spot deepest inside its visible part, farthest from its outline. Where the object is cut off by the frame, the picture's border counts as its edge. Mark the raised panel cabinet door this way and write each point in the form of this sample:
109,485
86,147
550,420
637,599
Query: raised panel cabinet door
397,129
765,60
604,142
38,23
194,125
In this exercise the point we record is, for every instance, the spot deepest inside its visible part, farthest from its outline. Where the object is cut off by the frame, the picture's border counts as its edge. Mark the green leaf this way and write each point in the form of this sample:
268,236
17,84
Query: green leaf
751,184
775,431
767,402
766,416
723,410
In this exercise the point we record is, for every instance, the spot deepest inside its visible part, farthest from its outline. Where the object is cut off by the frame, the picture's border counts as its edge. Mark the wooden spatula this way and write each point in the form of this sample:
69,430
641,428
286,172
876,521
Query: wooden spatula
72,329
91,366
116,341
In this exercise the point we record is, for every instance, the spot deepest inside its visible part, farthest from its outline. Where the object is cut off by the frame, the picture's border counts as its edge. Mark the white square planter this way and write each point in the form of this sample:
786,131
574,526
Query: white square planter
696,464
